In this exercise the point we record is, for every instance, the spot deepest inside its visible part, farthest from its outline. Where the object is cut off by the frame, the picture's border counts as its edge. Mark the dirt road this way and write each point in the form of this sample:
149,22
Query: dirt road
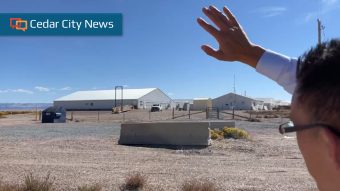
87,153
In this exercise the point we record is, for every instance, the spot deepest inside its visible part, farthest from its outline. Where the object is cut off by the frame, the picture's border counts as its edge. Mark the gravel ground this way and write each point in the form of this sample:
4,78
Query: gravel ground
87,153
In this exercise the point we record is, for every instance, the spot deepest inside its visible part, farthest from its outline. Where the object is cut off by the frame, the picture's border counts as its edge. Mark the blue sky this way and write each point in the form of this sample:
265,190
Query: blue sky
160,47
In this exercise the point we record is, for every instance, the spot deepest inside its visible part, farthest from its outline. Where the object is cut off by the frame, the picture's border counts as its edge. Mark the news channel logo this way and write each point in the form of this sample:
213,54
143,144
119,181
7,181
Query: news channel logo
18,24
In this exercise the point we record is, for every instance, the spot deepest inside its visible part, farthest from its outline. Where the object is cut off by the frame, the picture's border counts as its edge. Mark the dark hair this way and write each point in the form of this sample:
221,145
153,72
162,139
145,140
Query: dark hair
318,81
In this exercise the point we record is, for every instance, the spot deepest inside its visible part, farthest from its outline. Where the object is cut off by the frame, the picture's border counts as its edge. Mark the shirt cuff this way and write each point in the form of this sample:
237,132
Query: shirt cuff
279,68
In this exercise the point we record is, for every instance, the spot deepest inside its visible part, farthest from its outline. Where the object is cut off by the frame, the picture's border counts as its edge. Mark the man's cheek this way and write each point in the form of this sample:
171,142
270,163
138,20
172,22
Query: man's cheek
301,142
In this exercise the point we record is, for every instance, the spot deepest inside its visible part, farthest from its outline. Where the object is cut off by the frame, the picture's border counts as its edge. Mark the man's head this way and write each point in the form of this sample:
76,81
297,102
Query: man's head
317,100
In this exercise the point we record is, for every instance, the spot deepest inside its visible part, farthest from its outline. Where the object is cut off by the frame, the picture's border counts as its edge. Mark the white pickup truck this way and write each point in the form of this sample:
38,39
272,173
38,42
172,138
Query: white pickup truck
156,107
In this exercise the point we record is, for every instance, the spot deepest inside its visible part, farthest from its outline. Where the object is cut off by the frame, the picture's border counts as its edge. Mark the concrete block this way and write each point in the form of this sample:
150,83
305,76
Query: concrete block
165,133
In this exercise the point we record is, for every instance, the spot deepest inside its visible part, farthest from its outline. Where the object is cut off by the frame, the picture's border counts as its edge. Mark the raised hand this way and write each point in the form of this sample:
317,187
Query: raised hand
234,44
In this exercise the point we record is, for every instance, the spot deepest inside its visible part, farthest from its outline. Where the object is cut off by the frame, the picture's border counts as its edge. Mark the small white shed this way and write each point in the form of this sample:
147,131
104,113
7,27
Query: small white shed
201,103
238,102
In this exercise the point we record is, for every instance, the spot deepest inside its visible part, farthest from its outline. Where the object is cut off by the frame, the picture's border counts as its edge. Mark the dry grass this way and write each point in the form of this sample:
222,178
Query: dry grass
134,182
4,113
8,187
30,183
235,133
284,113
216,134
229,132
95,187
195,185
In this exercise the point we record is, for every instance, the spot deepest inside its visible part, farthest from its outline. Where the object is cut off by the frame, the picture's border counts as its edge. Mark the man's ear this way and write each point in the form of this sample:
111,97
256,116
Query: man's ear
332,146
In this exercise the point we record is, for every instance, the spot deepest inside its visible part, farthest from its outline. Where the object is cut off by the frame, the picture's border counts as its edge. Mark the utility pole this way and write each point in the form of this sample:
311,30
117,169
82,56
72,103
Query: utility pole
234,85
320,29
234,94
121,97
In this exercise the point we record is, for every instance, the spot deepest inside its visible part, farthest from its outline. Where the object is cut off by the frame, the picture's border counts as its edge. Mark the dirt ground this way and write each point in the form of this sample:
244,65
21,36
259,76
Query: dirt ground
86,152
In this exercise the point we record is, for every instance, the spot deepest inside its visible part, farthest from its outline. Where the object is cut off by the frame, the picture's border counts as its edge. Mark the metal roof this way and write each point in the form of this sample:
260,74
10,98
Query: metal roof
233,94
106,94
201,98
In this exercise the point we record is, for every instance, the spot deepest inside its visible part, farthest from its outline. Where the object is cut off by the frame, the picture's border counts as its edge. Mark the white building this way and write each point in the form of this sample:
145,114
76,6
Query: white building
272,103
238,102
105,99
201,103
183,104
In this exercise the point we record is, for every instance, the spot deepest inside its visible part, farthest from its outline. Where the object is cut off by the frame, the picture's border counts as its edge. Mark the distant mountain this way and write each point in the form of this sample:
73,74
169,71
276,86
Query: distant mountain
23,106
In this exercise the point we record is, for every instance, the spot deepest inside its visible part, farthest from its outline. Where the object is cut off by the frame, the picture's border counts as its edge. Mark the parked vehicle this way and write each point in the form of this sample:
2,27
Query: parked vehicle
156,107
54,115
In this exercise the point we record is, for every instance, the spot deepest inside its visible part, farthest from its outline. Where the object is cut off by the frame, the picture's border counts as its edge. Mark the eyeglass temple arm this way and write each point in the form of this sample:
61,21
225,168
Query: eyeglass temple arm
302,127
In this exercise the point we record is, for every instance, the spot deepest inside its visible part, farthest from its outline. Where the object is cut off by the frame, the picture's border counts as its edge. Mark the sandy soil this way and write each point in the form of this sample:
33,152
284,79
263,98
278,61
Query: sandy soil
86,152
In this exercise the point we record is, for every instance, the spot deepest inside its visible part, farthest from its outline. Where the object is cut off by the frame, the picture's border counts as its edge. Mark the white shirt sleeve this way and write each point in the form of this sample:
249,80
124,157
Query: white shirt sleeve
279,68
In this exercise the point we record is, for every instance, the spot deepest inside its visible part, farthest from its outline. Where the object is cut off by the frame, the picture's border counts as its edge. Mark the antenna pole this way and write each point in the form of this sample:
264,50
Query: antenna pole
234,94
234,85
319,31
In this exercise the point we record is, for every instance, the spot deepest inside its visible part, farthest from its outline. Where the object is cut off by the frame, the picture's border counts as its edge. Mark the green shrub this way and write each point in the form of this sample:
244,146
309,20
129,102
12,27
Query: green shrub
236,133
214,136
195,185
134,182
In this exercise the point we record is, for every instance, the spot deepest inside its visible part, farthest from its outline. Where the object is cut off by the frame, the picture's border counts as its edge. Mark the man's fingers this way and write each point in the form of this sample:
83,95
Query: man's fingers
231,17
224,21
211,52
213,16
210,29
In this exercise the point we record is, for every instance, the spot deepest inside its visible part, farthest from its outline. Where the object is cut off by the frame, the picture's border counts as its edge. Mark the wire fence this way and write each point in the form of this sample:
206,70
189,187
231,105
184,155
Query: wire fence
138,115
165,115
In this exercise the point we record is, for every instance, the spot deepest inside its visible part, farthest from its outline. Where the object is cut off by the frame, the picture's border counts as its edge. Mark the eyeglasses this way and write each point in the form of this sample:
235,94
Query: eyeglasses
290,127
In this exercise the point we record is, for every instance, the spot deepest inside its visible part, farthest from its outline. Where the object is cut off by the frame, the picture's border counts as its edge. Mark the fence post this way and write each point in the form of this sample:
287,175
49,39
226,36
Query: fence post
40,113
149,115
72,116
207,113
36,113
218,113
98,116
189,114
173,113
233,112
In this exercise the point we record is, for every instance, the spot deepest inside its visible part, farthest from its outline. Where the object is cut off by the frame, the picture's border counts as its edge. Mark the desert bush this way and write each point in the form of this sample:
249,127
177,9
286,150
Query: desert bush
95,187
214,136
235,133
8,187
32,183
134,182
195,185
